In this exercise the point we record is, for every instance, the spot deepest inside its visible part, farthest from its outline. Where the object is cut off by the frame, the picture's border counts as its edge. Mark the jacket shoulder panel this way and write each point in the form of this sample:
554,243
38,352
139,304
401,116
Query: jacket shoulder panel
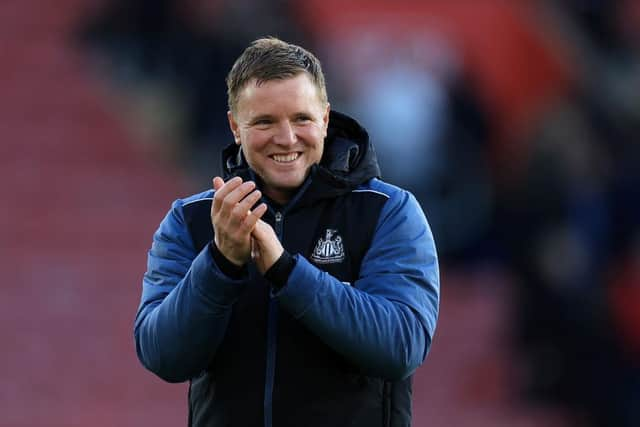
197,217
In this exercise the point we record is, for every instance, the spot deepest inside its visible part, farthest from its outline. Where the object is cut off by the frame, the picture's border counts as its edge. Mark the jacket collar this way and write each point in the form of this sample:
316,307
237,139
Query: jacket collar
348,161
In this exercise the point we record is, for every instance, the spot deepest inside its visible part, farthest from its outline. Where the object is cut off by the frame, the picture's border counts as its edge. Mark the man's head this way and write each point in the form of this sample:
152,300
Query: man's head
278,113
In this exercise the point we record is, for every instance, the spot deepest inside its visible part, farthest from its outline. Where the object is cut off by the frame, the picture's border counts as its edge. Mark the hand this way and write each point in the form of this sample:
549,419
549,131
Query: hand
232,219
266,248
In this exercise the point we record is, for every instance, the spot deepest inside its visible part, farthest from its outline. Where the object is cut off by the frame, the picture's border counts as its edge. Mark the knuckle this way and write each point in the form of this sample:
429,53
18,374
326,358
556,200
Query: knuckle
238,210
249,201
227,203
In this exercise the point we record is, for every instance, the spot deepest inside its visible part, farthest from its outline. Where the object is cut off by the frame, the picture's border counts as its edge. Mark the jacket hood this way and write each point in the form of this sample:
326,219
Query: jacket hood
348,161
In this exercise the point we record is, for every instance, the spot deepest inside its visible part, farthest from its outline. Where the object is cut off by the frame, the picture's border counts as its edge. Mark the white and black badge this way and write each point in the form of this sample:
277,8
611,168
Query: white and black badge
328,249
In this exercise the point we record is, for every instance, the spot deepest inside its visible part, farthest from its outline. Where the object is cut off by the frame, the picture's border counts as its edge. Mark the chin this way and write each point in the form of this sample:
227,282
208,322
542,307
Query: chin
288,186
289,182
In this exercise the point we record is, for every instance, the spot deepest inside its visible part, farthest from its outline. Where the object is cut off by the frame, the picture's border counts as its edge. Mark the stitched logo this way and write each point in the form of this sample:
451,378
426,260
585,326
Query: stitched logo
328,249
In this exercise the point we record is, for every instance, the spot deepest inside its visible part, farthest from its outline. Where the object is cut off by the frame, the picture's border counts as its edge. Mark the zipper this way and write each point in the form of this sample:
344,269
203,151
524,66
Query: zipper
272,335
386,403
279,225
271,362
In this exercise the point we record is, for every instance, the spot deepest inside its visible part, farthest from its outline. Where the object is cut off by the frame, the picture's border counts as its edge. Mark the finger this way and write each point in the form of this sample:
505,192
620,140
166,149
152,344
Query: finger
252,218
223,191
217,183
239,193
231,200
242,208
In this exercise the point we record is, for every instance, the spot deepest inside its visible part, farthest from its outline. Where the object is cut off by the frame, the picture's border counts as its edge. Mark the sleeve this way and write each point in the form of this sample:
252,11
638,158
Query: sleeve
385,322
185,306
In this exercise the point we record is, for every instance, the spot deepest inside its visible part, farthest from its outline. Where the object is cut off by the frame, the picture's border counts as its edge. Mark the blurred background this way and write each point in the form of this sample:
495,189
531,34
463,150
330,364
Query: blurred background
516,124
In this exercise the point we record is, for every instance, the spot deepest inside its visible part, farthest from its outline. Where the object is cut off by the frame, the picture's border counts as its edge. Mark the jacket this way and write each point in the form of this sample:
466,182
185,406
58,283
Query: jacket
338,343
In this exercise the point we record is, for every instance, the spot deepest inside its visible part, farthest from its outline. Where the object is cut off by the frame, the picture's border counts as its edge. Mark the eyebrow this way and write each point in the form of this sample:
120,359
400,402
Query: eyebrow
262,117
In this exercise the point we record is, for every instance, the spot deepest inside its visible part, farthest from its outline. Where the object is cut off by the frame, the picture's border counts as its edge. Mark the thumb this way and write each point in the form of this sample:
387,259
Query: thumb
260,230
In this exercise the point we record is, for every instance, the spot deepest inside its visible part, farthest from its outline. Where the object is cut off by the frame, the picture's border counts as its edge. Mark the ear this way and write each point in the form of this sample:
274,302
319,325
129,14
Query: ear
325,119
233,125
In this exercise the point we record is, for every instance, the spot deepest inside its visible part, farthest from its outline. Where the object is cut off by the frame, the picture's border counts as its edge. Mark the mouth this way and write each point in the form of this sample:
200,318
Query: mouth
285,158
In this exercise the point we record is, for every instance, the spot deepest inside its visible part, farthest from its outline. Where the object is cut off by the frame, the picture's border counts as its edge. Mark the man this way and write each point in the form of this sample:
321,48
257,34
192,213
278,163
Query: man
301,291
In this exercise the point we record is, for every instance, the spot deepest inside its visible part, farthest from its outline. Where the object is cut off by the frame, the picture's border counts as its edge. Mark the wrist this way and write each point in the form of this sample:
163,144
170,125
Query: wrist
278,274
226,265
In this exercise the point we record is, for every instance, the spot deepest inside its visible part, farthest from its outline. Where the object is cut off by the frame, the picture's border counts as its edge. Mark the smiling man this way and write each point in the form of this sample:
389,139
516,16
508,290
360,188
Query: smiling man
301,290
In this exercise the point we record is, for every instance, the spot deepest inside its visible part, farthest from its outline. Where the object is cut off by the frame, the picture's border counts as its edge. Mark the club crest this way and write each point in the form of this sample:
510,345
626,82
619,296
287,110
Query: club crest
329,248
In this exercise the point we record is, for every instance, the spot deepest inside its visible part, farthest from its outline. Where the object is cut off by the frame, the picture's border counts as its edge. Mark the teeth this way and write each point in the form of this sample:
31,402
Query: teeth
285,158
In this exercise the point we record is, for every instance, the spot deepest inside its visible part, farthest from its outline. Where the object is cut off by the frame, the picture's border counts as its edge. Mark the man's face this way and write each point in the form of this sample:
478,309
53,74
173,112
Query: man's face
281,126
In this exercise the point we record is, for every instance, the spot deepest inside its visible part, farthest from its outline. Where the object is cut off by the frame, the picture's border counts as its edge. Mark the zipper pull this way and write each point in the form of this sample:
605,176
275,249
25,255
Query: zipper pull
279,224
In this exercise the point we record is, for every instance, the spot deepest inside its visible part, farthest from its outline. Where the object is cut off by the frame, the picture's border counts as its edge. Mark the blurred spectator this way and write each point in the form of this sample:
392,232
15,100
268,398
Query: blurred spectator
555,227
187,47
426,123
570,218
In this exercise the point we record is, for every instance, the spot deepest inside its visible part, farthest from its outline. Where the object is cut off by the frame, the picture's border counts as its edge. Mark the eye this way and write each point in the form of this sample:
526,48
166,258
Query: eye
262,122
303,118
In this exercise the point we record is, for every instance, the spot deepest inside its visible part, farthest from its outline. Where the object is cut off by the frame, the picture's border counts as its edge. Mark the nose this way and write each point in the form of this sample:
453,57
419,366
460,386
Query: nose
286,134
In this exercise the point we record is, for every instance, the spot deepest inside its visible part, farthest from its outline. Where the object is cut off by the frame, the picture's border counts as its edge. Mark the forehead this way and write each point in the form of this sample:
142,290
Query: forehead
298,92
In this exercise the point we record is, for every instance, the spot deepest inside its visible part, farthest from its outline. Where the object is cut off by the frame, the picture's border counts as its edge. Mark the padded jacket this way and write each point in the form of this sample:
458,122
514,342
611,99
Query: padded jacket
338,343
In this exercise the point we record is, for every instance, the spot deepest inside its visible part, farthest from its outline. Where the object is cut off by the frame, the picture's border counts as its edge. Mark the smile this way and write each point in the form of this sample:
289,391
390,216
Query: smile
285,158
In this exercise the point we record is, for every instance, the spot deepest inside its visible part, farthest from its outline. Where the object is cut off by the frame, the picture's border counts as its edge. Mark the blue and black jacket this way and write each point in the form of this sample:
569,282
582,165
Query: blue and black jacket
337,343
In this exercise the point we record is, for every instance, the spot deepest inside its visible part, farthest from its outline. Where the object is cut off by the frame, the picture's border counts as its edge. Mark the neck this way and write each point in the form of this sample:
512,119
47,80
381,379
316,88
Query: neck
281,197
